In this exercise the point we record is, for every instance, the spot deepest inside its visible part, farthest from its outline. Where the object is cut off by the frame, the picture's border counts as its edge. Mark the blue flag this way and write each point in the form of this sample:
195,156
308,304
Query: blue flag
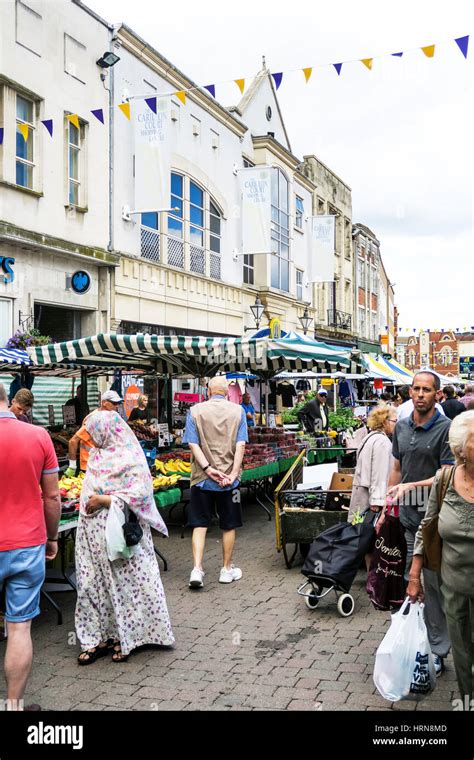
398,55
211,88
48,123
151,103
99,114
462,43
338,67
1,135
277,79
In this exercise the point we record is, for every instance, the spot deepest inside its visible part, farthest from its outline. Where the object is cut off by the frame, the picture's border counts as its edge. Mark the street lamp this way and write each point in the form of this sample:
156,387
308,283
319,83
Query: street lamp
257,310
107,60
305,321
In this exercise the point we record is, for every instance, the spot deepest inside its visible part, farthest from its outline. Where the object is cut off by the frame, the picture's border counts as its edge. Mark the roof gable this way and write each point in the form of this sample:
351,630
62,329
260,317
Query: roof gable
254,105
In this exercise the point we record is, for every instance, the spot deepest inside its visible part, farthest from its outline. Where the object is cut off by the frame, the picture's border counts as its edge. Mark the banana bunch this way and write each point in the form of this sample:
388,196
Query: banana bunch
162,481
70,488
173,465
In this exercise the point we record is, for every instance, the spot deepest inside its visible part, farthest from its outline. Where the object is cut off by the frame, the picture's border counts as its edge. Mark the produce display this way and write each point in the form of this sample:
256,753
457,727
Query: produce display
173,466
143,431
61,441
70,491
269,445
165,481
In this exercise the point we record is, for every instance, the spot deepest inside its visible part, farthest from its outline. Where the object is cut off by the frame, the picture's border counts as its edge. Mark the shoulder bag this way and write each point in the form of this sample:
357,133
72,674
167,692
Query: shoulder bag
432,544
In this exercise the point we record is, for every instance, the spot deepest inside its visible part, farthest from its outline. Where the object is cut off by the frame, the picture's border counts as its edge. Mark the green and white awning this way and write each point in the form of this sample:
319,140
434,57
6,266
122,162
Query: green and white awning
196,355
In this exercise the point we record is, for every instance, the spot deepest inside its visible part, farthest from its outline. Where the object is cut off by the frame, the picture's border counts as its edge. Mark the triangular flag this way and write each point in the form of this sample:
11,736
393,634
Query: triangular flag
367,62
125,108
338,67
151,103
462,43
48,123
277,79
240,84
211,88
429,50
1,135
24,130
99,114
74,119
397,55
181,95
307,73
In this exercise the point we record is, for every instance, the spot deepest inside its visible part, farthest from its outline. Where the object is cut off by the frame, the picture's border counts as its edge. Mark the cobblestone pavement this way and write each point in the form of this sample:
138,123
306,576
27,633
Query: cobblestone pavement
249,645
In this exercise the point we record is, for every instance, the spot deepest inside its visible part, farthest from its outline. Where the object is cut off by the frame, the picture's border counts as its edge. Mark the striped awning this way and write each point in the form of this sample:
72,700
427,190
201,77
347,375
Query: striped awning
11,357
387,369
196,355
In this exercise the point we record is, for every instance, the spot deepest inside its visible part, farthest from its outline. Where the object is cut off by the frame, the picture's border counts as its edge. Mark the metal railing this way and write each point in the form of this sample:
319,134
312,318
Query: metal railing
150,243
339,319
151,249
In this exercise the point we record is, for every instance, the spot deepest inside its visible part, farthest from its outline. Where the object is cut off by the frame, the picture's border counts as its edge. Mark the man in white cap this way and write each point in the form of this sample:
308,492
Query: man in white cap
314,411
109,402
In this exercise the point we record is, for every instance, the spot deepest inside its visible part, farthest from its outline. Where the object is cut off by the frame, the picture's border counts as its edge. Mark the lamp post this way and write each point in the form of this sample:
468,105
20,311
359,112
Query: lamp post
305,320
257,310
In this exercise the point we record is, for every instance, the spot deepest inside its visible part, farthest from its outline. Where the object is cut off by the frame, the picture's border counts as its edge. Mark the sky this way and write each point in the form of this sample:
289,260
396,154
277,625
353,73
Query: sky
400,135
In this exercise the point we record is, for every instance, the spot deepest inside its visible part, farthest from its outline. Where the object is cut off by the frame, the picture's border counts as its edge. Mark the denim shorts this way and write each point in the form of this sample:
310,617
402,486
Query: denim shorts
22,573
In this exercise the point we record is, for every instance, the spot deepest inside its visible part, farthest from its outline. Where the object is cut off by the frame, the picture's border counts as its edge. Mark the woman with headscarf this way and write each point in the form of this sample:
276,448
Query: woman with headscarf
121,604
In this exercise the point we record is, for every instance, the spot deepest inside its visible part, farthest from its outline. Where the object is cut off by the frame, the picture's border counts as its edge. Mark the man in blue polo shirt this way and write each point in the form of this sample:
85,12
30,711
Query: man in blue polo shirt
420,448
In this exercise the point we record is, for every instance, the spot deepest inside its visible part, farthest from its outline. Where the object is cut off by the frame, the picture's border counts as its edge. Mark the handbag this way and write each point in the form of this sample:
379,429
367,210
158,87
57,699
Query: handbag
432,544
132,530
385,582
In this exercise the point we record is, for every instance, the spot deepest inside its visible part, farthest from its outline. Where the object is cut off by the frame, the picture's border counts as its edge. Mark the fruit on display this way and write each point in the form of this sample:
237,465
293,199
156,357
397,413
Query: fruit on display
70,488
173,466
142,431
164,481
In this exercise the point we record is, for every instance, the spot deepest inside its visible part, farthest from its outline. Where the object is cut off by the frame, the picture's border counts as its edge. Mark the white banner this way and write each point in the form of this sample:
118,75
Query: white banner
323,243
255,187
152,155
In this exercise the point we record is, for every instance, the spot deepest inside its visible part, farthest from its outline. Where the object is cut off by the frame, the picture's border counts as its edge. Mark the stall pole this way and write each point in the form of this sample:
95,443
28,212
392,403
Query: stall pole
84,392
169,403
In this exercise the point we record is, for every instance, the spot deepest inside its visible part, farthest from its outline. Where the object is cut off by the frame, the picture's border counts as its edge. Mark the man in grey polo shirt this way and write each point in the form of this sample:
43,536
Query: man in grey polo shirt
420,448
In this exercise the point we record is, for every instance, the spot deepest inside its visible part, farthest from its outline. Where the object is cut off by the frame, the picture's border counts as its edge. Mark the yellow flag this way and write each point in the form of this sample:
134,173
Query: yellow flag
74,119
125,108
24,130
240,84
307,73
181,96
429,51
367,62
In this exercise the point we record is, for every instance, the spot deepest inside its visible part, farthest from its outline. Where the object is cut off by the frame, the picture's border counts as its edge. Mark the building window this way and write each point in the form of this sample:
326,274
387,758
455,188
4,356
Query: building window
249,269
5,321
176,222
299,211
280,232
247,164
150,237
196,229
446,356
299,285
25,148
361,273
375,281
215,240
74,156
362,323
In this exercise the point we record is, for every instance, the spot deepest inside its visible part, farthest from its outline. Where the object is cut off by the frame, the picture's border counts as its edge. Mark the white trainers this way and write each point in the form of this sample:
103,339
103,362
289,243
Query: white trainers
227,576
195,580
439,665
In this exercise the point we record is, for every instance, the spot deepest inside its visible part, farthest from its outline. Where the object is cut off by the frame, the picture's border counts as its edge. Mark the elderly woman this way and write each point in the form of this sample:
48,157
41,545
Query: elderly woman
374,459
121,604
456,528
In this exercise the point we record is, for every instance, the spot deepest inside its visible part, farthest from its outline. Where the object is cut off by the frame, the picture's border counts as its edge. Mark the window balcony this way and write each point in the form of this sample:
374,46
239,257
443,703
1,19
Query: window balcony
339,319
171,251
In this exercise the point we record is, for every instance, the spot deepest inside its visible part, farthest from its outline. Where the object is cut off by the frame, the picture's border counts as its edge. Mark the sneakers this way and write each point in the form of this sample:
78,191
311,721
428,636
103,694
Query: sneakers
227,576
439,664
195,580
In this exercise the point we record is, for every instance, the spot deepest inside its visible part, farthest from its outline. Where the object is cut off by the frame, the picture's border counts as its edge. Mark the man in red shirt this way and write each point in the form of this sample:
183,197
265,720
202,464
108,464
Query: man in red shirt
29,519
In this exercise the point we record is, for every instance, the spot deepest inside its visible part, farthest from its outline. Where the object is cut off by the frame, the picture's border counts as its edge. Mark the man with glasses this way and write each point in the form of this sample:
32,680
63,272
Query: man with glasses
109,402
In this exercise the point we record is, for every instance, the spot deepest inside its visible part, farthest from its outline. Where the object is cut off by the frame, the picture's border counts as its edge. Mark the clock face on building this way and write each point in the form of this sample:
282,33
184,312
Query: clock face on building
268,113
80,282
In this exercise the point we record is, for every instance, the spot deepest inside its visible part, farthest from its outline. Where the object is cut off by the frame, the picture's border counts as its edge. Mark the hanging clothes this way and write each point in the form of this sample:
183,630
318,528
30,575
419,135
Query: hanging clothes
235,394
287,393
254,393
303,385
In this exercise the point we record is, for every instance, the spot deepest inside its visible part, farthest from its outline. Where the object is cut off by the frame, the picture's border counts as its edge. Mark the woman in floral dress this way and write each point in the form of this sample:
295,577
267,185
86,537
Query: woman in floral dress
121,604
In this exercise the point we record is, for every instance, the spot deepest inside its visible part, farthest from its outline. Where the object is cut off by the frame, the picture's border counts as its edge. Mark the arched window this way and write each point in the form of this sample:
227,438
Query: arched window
411,358
446,356
280,232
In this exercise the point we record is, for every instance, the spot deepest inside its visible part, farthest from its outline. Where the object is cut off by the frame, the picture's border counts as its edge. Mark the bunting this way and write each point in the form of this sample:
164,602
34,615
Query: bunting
463,43
397,55
1,135
307,74
211,88
277,79
429,51
99,114
338,67
181,95
24,129
74,119
151,103
48,123
125,108
240,84
367,62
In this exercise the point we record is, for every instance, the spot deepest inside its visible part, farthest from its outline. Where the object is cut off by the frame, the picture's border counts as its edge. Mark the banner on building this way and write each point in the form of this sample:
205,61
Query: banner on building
323,244
255,187
425,348
152,155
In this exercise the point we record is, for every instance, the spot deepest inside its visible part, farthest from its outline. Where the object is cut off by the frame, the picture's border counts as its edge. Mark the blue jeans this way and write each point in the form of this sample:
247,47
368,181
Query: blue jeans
22,573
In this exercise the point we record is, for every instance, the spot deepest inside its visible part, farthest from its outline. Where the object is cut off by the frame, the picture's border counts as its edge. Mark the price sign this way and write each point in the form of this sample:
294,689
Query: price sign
69,415
188,398
51,414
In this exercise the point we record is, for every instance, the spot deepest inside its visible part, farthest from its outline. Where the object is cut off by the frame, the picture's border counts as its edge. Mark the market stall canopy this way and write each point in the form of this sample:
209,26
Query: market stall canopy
201,356
444,379
386,369
11,358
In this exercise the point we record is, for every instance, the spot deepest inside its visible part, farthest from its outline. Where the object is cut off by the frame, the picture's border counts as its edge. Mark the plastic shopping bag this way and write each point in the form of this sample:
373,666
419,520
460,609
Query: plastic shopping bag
114,536
404,667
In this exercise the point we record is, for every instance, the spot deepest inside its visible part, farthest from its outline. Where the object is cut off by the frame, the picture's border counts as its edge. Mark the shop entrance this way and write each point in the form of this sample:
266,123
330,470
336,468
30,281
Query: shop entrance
58,322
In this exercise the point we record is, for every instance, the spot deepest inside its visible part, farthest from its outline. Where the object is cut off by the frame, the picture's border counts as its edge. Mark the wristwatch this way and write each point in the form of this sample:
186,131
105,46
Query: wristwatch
205,468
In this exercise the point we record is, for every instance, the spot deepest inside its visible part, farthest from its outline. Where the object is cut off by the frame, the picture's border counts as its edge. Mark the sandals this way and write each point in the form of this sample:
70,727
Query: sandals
117,655
96,652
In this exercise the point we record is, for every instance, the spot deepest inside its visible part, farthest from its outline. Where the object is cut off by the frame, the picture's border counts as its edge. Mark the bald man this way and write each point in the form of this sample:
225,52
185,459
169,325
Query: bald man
216,431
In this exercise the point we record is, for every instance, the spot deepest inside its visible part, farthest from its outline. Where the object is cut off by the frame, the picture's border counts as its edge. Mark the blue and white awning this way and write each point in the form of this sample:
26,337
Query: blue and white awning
14,356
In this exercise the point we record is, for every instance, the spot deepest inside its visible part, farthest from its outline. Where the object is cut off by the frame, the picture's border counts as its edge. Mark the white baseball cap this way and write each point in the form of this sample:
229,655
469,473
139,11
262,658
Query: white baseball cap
322,391
111,396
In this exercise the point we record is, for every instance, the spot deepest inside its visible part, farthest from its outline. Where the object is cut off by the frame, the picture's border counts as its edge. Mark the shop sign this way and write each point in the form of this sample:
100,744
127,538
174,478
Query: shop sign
6,264
81,282
275,328
130,399
188,398
69,415
466,365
